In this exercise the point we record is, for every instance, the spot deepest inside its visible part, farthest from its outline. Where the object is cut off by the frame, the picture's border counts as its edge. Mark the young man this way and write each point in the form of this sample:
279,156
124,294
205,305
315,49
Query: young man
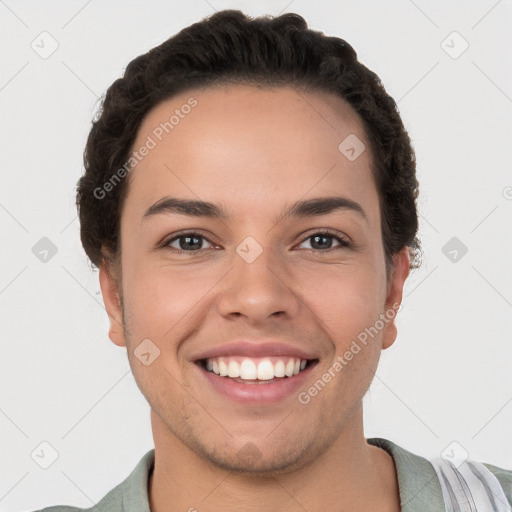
249,198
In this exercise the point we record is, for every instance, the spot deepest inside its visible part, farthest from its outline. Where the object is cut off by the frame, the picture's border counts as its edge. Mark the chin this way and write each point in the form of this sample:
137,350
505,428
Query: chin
255,459
264,467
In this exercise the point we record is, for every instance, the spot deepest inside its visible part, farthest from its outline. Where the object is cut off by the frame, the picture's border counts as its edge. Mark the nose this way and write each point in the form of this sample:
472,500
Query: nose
258,290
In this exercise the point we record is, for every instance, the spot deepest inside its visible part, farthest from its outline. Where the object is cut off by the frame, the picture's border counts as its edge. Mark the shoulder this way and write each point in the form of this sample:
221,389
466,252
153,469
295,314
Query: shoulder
418,482
504,477
111,502
61,508
131,495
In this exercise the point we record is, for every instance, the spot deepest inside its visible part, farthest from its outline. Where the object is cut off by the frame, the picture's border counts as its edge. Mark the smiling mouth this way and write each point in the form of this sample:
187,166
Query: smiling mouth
264,370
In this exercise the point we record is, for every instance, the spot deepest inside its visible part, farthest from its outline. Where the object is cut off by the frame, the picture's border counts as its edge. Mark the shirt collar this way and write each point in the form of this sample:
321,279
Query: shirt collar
135,490
417,480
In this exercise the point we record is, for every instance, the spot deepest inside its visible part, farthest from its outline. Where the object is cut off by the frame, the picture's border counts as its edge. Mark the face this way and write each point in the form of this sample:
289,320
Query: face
249,284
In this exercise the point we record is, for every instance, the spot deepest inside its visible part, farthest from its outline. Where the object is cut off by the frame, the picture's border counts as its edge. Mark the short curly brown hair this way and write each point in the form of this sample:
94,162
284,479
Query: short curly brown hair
231,47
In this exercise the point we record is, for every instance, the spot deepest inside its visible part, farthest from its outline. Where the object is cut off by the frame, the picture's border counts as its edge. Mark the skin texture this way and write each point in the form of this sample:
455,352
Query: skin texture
255,151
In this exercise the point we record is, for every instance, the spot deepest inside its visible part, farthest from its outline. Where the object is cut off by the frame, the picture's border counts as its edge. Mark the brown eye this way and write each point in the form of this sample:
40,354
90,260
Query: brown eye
187,242
322,241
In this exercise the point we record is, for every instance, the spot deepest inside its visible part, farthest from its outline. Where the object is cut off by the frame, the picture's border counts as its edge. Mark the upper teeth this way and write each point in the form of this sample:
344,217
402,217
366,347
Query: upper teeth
251,369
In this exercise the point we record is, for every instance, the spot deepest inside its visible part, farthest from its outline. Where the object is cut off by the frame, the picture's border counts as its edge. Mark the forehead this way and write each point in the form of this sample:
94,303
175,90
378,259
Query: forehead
273,143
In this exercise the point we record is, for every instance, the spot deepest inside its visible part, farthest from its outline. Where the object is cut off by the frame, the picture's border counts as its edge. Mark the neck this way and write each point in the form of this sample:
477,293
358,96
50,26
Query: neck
350,475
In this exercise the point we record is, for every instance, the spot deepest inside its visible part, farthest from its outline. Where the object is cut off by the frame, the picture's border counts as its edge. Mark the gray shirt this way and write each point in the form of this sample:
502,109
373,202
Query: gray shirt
417,481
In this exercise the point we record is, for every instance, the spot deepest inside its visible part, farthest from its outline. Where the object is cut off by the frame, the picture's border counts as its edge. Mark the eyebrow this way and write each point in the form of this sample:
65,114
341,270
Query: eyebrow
307,208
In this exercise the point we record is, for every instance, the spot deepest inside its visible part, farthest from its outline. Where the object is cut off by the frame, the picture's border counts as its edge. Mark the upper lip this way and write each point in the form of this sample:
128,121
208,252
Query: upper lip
254,349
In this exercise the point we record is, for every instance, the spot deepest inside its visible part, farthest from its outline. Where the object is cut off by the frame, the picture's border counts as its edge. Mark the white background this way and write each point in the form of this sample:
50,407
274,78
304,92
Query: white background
447,377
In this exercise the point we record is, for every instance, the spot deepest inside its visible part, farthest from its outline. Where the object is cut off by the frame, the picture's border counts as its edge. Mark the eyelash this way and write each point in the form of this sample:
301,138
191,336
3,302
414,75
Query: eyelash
344,243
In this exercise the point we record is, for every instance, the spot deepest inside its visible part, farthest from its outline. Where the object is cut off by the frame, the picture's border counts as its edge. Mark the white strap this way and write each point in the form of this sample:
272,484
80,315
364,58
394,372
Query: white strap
469,487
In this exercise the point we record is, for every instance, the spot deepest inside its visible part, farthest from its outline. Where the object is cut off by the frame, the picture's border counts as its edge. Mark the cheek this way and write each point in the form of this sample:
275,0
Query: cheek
346,300
349,304
161,302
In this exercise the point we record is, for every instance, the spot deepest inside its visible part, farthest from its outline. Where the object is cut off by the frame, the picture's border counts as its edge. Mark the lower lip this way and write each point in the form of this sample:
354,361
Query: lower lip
256,392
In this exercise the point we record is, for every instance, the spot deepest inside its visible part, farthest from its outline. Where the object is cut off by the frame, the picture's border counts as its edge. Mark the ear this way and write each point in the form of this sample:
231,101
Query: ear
111,299
399,272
